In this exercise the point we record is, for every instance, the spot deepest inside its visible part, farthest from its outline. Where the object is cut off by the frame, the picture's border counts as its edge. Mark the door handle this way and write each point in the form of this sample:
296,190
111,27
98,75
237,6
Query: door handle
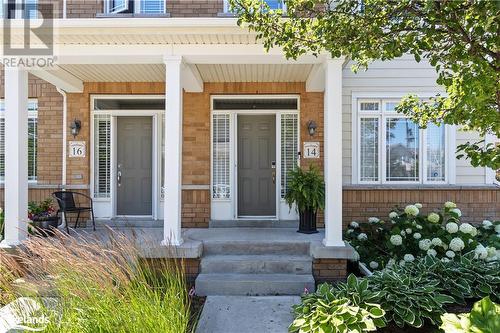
119,178
274,177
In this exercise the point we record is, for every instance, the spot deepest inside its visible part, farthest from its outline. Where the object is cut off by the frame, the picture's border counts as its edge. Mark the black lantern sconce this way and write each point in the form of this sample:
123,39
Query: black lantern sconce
311,127
75,126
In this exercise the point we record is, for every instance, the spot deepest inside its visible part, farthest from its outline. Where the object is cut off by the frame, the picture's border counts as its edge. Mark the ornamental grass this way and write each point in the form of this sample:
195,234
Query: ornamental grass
101,286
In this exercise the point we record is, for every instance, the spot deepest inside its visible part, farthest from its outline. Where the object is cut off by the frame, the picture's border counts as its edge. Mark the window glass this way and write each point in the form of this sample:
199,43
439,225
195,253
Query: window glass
435,150
402,150
391,106
274,4
221,157
152,6
369,106
102,156
369,155
289,150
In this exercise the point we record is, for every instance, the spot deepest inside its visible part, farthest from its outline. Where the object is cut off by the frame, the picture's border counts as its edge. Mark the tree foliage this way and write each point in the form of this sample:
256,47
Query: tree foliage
459,38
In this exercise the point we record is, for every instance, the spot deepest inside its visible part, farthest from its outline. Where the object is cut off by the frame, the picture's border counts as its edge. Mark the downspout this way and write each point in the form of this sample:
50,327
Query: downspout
64,144
65,7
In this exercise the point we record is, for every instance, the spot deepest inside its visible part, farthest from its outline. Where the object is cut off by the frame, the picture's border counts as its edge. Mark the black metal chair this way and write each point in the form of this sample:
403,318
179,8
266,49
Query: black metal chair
68,204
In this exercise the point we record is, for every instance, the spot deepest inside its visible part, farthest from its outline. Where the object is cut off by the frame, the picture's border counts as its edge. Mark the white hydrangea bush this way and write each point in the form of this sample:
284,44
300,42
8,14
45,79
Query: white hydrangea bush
409,234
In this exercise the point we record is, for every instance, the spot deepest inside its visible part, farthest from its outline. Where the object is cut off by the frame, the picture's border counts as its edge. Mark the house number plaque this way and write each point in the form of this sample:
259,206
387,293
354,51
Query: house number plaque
311,150
77,149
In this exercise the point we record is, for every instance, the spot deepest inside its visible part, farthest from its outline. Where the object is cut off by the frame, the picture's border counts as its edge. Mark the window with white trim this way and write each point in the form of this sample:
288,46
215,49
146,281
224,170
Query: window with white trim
289,149
221,148
135,6
393,149
102,156
32,139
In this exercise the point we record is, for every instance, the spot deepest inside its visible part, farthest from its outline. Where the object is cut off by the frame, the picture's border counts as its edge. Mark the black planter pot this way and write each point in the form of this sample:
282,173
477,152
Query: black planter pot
307,222
45,226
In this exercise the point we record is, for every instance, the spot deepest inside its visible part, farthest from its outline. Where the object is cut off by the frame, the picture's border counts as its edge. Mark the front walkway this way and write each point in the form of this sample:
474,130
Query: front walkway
247,314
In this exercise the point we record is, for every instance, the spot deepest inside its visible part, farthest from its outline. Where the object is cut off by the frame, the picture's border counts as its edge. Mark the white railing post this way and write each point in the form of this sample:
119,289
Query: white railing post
173,152
16,155
333,152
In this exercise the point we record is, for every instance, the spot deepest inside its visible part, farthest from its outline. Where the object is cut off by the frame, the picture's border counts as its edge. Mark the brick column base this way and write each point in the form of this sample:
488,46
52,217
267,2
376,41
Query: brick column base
329,270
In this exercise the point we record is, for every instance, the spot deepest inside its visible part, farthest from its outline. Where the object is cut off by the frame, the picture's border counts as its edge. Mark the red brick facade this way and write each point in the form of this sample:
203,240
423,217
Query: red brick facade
329,270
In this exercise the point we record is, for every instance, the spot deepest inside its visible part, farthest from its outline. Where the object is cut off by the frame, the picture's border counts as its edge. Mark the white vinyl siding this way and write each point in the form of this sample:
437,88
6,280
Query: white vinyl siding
32,140
221,149
289,151
102,156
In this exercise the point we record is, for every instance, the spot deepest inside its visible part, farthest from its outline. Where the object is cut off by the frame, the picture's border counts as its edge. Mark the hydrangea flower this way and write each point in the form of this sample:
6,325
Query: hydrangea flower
480,252
362,236
418,205
457,244
451,227
457,211
373,265
391,263
408,230
354,224
450,254
417,235
487,224
402,233
444,259
425,244
433,218
373,220
408,257
418,226
412,210
437,241
431,252
450,204
467,228
350,231
393,215
396,240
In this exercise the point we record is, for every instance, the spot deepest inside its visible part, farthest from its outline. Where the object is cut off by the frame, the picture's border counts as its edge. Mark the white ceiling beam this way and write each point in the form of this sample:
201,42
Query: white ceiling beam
192,81
60,78
316,80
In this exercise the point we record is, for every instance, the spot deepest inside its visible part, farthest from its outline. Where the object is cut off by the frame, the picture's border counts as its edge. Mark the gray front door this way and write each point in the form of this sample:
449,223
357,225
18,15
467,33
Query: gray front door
256,157
134,166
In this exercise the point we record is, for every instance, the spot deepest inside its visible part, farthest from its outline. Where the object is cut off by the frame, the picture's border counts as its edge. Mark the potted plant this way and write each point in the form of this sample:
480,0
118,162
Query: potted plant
306,189
43,217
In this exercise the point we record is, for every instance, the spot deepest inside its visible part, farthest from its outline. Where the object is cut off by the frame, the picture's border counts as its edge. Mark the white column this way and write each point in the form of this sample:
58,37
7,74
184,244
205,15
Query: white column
173,152
333,152
16,155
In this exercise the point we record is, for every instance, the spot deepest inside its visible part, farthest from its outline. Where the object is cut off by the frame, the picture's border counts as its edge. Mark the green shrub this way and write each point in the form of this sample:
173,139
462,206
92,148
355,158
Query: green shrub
306,189
409,234
409,300
464,278
484,318
341,309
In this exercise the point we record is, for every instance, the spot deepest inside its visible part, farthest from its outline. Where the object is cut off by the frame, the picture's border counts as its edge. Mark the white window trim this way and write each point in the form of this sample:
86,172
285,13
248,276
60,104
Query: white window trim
383,98
137,7
227,11
31,115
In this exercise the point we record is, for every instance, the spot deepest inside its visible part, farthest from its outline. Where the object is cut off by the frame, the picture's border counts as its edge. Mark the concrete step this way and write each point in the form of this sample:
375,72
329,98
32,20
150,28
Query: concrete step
253,284
257,264
249,223
255,247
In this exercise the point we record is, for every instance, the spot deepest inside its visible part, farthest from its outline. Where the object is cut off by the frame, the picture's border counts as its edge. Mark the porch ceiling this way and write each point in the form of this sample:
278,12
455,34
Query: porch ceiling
208,72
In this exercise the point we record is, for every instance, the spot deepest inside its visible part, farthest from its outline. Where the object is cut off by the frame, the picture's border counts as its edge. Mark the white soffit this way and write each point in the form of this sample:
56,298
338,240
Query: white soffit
254,72
118,73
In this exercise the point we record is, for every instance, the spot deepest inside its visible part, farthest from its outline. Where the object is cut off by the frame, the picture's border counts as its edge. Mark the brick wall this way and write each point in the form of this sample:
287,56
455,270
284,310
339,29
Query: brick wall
329,270
194,8
83,8
476,204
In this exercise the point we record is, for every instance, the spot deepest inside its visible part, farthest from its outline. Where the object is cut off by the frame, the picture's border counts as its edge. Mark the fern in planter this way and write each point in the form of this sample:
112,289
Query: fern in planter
306,189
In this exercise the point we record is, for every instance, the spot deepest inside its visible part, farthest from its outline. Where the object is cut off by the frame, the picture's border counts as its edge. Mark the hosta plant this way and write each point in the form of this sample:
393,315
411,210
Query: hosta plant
484,318
465,278
343,309
408,234
409,300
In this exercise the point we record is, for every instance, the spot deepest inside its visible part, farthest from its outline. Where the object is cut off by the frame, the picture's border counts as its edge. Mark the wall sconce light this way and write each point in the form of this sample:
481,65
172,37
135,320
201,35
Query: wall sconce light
311,127
75,126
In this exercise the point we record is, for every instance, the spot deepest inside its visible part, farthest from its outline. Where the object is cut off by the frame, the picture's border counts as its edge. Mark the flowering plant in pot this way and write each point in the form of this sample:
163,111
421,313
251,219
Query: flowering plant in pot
43,217
306,189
